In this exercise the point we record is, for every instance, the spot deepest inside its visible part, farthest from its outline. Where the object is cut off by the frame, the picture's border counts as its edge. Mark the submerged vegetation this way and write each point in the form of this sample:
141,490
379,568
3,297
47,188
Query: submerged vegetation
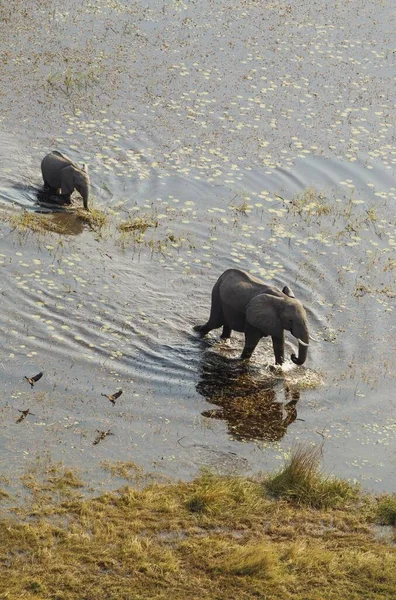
214,537
130,232
72,80
63,223
95,218
138,224
26,221
313,203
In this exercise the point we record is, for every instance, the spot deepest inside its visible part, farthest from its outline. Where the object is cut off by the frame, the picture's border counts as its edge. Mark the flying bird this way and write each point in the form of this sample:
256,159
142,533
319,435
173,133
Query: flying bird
24,414
32,380
113,397
102,435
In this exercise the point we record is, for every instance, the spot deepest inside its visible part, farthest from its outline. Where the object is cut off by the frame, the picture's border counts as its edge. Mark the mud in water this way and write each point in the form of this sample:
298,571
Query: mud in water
247,136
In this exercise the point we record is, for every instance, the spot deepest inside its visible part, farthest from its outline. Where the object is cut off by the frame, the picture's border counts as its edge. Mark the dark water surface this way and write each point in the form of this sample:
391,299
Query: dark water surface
253,137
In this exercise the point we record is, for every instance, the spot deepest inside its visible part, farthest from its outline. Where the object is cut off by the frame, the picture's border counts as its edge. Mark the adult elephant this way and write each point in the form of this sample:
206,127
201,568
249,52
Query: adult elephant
60,172
244,303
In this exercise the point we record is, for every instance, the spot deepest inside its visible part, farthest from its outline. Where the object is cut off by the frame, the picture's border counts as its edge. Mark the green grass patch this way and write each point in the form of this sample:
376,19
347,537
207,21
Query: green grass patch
386,510
301,482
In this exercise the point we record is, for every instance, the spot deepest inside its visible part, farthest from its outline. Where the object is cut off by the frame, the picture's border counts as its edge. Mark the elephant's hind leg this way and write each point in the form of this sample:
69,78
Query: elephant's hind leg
226,333
214,322
202,329
216,318
49,189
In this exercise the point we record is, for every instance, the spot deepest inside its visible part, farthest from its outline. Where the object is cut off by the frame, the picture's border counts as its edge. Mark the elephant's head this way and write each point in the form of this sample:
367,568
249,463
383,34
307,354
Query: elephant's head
273,314
75,178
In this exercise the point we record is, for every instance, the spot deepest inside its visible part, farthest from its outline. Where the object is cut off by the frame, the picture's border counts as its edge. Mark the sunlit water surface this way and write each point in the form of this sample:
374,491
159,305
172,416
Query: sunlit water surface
242,146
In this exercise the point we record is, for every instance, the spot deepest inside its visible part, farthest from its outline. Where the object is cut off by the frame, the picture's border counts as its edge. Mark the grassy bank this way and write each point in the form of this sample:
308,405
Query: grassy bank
295,534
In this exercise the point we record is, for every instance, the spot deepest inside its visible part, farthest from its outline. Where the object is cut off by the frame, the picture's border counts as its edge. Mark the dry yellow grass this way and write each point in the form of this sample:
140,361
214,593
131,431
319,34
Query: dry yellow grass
213,538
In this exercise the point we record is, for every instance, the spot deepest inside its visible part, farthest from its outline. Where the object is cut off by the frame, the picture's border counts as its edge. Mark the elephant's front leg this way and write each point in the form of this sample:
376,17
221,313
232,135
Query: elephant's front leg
278,344
252,338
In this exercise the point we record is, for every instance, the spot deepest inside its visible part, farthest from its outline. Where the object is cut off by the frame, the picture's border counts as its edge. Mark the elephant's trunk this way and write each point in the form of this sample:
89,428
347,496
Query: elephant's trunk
85,198
303,342
83,187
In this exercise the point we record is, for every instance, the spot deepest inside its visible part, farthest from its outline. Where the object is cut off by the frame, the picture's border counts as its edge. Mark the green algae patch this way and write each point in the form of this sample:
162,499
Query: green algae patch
215,537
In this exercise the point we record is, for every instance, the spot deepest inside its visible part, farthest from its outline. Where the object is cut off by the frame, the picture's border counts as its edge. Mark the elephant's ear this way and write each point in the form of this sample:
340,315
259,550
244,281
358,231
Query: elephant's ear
68,180
263,313
288,291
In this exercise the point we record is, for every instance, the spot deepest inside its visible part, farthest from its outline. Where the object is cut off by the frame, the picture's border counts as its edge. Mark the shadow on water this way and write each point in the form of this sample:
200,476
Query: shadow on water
39,201
248,404
46,198
32,197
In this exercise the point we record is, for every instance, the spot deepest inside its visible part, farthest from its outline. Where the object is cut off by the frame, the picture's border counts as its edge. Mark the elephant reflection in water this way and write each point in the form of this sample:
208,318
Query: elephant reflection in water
249,406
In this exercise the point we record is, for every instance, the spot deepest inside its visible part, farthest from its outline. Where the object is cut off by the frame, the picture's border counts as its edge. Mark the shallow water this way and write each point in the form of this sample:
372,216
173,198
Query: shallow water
251,138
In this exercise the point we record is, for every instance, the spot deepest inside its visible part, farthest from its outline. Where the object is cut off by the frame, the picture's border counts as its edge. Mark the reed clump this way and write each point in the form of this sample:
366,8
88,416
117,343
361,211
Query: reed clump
301,482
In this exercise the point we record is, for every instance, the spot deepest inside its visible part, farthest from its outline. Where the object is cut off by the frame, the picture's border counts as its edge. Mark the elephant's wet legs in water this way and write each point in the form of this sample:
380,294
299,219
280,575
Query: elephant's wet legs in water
252,338
216,320
60,199
226,333
278,345
204,329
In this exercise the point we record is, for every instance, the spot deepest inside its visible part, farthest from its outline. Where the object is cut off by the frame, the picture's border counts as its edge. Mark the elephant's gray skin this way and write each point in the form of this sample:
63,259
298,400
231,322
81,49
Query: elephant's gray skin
60,172
244,303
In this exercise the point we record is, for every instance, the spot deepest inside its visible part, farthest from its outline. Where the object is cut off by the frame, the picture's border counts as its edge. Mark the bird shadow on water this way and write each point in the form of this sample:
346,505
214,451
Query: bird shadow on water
248,400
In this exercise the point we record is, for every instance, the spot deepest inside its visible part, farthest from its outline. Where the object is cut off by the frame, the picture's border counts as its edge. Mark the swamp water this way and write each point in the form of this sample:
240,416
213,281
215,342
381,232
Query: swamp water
252,137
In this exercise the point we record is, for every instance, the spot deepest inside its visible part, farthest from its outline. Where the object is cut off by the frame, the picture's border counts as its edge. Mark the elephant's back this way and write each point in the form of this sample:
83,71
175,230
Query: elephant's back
56,161
52,165
245,283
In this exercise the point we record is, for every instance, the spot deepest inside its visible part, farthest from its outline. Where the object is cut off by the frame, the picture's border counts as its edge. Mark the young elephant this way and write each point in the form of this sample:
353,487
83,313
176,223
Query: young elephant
60,172
244,303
